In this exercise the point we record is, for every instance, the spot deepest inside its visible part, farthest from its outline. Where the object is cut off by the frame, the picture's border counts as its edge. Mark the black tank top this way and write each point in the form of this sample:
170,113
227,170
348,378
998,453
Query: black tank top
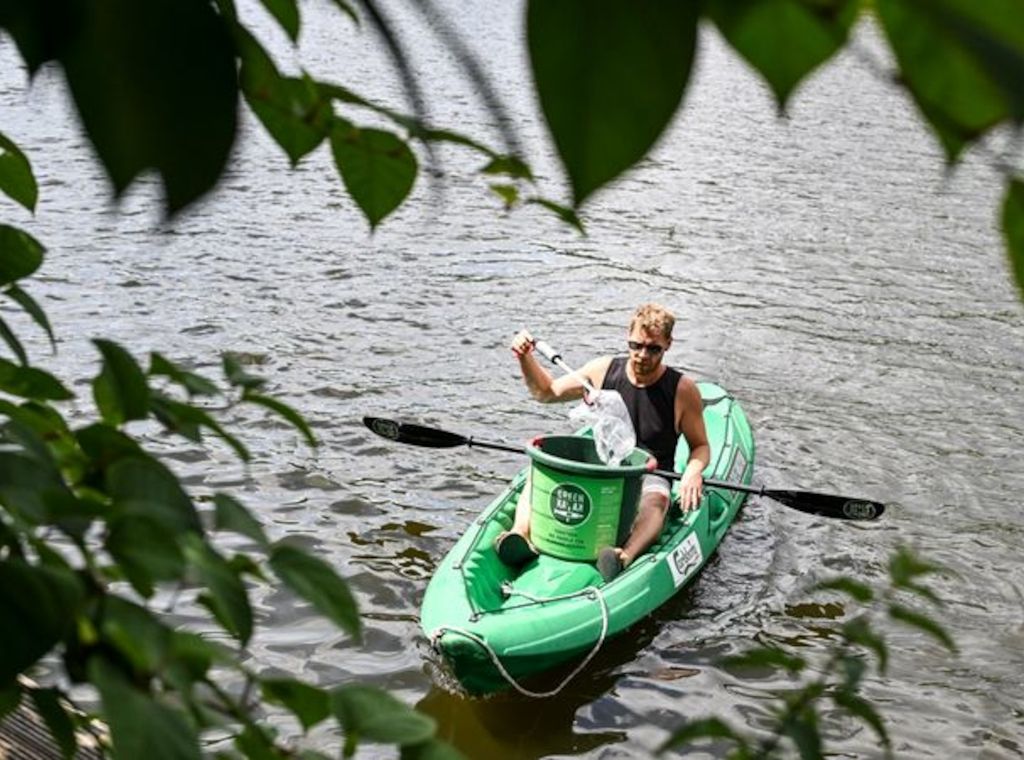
652,409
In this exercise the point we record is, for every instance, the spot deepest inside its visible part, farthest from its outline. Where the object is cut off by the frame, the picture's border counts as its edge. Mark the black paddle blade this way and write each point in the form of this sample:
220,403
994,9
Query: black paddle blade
829,505
416,435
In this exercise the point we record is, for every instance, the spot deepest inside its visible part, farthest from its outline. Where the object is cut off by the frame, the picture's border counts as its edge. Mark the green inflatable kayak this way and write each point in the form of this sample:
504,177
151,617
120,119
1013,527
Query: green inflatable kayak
493,625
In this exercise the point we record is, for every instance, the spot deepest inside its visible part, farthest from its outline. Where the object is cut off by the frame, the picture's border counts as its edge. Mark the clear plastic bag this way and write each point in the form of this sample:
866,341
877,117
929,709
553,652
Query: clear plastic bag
605,412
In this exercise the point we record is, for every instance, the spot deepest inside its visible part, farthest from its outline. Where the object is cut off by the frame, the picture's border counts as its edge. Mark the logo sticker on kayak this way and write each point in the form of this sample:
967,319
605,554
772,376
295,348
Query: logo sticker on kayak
859,510
739,467
570,504
685,559
384,428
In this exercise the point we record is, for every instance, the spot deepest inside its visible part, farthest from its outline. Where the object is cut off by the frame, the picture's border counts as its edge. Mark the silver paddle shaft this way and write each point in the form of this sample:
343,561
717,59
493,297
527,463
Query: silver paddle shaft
556,358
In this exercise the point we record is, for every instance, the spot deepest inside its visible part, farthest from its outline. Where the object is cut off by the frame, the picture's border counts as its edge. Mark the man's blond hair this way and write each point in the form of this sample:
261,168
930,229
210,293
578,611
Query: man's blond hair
654,318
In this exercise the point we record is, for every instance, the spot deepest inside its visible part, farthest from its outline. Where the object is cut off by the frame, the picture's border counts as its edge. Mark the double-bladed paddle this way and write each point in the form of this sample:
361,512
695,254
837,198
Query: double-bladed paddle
810,502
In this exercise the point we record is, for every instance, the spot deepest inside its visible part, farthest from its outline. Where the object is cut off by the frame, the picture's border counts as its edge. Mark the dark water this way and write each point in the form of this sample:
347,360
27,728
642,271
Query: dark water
825,268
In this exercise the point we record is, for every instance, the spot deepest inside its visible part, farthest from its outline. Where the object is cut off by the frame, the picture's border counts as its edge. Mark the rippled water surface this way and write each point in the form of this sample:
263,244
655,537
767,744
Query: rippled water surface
824,268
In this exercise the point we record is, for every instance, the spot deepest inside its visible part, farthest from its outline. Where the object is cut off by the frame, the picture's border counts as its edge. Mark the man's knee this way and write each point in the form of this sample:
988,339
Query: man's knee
652,509
654,501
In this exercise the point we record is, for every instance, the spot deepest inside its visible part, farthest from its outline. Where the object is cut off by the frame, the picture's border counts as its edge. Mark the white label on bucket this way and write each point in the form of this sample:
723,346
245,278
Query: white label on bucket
569,504
685,559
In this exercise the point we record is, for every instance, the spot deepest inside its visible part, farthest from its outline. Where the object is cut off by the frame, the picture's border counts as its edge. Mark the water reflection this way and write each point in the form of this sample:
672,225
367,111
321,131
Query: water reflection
517,727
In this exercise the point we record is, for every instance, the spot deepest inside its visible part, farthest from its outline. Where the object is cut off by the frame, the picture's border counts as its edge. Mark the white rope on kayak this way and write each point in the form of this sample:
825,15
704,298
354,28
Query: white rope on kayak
592,592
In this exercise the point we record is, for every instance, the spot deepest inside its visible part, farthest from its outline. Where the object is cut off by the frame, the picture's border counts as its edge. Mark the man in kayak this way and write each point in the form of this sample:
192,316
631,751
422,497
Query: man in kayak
662,404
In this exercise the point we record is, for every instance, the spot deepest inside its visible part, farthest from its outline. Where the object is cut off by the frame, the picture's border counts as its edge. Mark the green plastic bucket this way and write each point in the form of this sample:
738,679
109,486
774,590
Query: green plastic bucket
579,504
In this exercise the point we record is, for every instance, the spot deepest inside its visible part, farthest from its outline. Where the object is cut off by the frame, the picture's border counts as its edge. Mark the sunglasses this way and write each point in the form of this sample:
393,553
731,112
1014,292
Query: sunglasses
652,348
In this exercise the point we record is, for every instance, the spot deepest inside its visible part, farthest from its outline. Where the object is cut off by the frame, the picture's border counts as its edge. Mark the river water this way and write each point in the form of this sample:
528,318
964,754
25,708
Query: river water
824,267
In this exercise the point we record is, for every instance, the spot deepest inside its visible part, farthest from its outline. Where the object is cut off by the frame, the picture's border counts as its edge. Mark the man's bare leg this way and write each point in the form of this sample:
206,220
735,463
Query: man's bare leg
524,510
650,519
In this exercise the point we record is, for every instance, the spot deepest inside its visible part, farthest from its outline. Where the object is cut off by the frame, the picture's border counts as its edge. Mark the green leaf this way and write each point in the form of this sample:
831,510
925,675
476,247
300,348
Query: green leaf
508,193
10,542
29,382
227,598
105,445
51,559
293,114
434,749
37,37
924,592
859,631
187,420
39,605
374,715
308,703
904,567
609,76
785,40
284,411
962,61
10,698
62,730
191,657
16,178
992,33
1013,230
144,551
511,166
430,134
26,486
377,167
861,708
853,667
344,95
766,657
72,514
12,341
45,437
237,376
923,623
257,743
18,429
567,215
316,582
164,410
286,12
34,310
861,592
141,727
140,485
803,730
244,564
120,390
136,633
20,254
195,385
231,515
145,101
295,111
694,730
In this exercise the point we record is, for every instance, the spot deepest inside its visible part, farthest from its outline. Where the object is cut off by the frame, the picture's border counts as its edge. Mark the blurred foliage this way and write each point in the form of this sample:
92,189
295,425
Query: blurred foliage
830,686
609,79
97,535
94,529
